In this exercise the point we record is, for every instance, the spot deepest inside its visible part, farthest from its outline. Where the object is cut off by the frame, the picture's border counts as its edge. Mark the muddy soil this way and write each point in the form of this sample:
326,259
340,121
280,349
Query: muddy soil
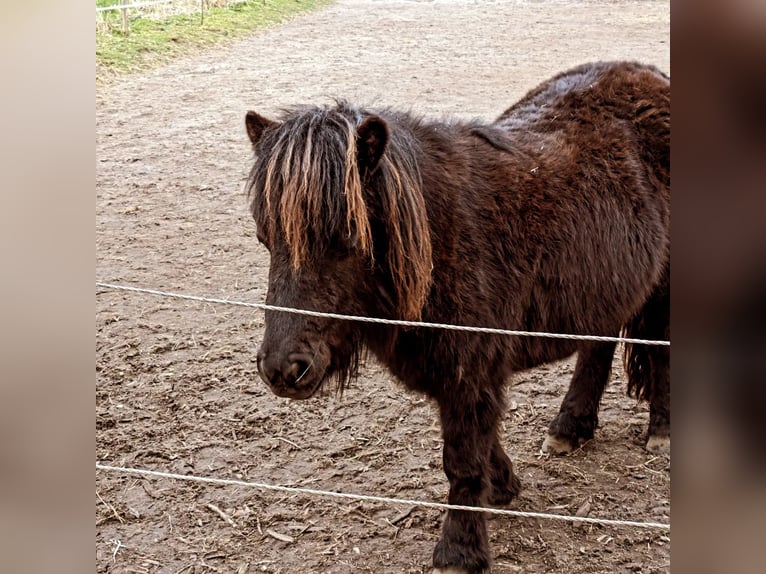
176,388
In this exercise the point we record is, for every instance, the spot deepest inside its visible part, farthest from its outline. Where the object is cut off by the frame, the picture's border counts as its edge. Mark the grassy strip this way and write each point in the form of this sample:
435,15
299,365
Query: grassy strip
151,42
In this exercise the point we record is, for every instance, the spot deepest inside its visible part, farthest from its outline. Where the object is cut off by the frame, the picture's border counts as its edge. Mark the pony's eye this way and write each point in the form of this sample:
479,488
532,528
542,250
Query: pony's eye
340,247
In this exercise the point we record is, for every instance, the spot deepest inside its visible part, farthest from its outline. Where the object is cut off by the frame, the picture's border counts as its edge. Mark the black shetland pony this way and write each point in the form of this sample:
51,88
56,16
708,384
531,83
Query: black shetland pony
555,217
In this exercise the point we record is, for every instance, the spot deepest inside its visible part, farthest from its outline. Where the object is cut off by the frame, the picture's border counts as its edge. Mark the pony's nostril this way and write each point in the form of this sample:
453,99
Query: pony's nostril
298,365
289,371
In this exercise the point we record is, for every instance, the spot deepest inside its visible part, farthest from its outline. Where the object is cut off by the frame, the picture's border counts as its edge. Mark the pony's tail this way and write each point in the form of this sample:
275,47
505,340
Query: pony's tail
646,365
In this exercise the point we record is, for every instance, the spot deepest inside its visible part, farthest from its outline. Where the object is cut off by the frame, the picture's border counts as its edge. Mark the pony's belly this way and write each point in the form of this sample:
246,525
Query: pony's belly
534,351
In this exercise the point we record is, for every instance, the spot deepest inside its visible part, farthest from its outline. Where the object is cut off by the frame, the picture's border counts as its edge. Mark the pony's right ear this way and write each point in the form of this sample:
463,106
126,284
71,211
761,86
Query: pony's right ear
256,124
371,140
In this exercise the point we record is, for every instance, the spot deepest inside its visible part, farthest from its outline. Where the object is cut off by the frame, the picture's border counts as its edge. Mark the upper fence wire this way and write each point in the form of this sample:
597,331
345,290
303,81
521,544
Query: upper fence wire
397,322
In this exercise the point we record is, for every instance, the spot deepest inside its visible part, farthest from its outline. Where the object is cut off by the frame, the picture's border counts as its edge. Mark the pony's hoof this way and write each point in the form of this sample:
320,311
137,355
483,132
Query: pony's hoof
461,555
658,444
554,444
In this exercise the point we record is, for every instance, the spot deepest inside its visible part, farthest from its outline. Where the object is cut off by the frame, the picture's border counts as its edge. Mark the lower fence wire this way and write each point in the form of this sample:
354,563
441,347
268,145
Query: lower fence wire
382,499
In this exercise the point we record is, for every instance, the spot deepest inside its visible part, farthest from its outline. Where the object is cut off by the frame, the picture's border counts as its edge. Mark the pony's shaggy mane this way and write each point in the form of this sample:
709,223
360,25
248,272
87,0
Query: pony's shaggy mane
308,187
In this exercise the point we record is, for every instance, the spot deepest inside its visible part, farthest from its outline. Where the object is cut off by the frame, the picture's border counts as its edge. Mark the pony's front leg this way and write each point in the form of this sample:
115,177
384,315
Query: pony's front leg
469,428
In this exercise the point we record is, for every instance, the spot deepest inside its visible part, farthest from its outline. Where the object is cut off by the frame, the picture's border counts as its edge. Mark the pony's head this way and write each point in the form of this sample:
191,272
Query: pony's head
337,200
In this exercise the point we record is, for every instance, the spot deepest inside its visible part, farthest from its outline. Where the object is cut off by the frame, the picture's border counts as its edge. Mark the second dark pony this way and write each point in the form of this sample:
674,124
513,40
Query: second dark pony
555,217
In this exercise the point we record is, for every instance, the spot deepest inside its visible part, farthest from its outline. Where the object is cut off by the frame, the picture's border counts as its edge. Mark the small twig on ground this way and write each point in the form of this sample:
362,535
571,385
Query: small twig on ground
279,536
645,463
329,549
364,517
402,515
583,511
305,528
112,508
290,443
226,518
117,545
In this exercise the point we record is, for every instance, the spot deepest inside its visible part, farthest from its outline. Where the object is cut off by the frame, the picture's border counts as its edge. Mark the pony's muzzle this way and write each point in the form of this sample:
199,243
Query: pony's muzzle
291,376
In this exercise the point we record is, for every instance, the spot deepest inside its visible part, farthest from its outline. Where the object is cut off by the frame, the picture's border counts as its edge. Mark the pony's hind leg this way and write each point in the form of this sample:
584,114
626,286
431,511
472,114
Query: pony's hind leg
659,405
648,366
578,415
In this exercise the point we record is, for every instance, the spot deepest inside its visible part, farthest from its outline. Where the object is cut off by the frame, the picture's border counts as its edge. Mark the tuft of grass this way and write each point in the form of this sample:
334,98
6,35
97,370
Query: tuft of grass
153,42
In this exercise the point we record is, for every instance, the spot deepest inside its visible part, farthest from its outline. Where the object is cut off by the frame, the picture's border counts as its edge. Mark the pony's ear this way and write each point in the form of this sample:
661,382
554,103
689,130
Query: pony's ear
256,124
372,137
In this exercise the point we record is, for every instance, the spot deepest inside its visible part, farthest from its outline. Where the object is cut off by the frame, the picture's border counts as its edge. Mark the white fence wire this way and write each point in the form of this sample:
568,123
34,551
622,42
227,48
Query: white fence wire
181,6
382,499
398,322
156,10
134,5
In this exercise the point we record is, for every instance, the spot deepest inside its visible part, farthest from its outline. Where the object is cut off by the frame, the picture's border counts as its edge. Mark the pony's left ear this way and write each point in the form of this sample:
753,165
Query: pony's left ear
256,124
371,140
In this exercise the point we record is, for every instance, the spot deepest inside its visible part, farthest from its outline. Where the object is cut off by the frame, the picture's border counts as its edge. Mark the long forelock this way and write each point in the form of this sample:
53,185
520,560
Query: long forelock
309,183
306,187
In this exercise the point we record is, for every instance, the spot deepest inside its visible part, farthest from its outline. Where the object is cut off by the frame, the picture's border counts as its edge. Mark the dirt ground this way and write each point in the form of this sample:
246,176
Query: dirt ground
176,387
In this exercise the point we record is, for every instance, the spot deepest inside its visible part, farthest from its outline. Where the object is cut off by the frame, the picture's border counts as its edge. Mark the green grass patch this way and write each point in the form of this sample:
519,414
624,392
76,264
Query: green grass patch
152,42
